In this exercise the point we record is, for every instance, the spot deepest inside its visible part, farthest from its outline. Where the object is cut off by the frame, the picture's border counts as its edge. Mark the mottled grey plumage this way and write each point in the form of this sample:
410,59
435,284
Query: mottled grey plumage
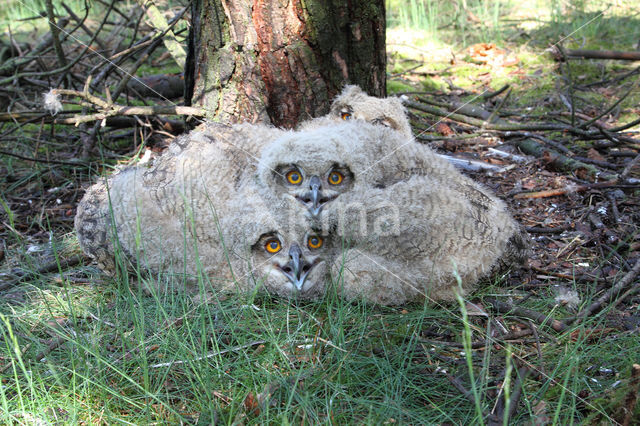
179,213
354,104
405,211
395,225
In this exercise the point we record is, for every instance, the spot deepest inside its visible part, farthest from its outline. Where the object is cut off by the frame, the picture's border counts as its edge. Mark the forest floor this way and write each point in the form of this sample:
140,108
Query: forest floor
554,134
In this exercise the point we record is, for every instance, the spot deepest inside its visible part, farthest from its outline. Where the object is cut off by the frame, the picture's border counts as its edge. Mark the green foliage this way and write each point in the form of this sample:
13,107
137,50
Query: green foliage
438,17
15,10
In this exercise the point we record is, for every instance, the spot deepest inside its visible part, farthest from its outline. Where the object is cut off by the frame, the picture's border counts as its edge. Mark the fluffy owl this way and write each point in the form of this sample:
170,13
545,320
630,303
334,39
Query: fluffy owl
315,165
168,215
354,104
396,203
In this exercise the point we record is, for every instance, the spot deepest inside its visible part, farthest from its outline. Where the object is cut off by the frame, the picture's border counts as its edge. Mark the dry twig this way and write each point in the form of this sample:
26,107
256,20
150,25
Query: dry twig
504,307
616,289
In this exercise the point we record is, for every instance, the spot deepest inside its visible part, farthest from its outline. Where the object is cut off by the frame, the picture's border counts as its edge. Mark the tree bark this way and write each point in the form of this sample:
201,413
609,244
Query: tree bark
282,61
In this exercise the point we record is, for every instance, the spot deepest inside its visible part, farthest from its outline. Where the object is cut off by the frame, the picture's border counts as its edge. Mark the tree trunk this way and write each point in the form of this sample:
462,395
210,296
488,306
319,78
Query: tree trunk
282,61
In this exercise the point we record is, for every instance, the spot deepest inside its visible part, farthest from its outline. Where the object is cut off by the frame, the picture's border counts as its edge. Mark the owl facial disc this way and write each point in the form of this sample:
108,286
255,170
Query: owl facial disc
297,268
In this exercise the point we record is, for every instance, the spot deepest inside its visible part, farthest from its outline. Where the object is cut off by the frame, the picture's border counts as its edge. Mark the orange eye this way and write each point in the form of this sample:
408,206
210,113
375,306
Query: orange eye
294,177
272,246
335,178
345,116
315,242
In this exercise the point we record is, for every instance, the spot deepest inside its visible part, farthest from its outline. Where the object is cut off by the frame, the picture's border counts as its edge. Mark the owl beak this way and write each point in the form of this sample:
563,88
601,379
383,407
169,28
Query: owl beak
316,193
297,268
314,199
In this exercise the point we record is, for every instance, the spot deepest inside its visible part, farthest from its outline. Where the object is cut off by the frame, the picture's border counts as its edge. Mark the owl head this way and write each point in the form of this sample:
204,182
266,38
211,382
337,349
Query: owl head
292,265
273,246
317,164
314,165
354,104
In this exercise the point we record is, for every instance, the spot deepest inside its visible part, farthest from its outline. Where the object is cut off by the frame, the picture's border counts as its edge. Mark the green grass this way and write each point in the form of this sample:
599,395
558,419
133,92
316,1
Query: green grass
134,356
366,371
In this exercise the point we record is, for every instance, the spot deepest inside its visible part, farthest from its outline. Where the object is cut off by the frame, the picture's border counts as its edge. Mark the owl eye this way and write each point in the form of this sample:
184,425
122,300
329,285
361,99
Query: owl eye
335,178
272,246
315,242
294,177
385,122
345,115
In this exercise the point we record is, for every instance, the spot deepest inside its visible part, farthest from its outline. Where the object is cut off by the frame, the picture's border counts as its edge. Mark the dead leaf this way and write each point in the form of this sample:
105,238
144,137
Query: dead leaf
583,174
444,129
482,51
251,405
492,55
591,334
540,414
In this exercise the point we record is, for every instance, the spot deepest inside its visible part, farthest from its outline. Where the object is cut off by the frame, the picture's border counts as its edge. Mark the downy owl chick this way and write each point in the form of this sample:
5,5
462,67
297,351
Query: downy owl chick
175,204
354,104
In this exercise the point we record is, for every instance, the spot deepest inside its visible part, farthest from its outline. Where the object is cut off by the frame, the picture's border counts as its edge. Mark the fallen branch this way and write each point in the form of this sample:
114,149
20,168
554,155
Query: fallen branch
489,95
595,54
561,161
566,190
80,21
55,33
63,69
471,165
136,110
458,385
625,413
506,308
514,335
507,155
210,355
543,230
616,289
523,372
160,23
8,67
55,343
630,166
498,417
115,111
10,363
45,269
45,161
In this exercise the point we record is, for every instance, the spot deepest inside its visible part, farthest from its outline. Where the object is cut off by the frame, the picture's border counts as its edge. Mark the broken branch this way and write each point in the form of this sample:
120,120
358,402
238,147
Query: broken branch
621,285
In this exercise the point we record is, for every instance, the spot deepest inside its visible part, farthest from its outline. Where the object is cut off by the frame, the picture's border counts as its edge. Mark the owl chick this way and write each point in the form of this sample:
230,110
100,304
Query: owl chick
315,164
354,104
249,247
394,202
173,205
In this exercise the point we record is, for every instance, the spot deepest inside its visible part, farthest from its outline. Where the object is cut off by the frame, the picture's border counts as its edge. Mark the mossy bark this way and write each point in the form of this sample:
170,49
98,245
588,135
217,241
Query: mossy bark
281,61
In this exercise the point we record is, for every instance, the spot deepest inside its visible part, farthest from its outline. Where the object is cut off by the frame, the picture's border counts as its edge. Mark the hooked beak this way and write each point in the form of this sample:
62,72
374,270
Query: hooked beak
316,192
314,199
297,268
